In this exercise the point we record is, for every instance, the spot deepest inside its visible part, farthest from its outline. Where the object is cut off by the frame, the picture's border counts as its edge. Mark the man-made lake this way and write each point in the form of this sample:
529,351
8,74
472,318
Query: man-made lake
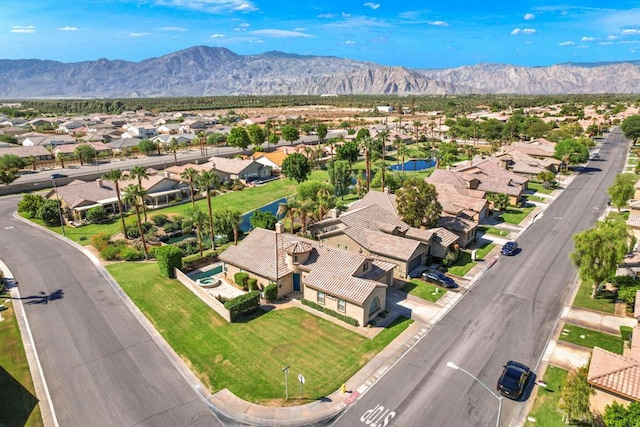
271,207
414,165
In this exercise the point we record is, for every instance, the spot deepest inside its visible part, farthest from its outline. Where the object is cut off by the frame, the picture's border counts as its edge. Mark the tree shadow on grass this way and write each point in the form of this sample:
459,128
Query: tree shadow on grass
17,402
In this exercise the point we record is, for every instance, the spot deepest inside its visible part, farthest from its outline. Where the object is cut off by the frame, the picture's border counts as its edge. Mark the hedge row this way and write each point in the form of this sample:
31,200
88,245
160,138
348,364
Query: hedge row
169,257
240,278
271,292
346,319
243,304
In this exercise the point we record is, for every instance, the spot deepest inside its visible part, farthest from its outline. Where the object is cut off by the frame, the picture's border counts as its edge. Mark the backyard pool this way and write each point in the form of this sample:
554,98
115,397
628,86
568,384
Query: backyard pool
206,274
414,165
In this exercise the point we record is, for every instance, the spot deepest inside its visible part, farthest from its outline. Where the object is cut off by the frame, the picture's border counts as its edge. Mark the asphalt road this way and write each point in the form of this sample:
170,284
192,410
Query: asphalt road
509,314
101,366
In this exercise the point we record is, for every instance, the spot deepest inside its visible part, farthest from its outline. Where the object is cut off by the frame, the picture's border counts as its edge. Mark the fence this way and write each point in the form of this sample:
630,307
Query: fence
216,305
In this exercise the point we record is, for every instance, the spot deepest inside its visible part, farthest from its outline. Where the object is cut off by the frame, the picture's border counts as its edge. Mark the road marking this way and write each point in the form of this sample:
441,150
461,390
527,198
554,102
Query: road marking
377,417
9,227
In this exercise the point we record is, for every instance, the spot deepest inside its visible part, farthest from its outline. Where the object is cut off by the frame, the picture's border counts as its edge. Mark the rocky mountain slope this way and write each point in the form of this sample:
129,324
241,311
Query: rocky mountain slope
202,70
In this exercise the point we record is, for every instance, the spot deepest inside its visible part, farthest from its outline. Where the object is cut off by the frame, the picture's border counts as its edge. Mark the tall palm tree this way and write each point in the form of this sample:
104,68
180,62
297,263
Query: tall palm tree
115,176
326,201
173,147
289,210
235,218
208,180
365,144
189,174
305,209
60,156
403,151
139,173
133,195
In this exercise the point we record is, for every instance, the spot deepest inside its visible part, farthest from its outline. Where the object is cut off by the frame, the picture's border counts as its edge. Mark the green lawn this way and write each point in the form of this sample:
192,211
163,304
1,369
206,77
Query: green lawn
603,302
537,199
484,250
462,265
493,230
516,215
539,188
17,394
545,406
247,357
574,334
424,290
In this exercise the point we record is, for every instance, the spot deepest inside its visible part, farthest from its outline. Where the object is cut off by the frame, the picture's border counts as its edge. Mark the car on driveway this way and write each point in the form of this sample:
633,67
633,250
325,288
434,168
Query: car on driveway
439,278
510,248
513,379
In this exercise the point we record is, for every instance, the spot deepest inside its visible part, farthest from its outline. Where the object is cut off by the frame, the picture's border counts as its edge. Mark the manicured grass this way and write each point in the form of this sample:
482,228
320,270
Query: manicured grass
539,188
17,394
537,199
619,216
574,334
603,302
545,406
247,357
424,290
484,250
462,265
516,215
495,231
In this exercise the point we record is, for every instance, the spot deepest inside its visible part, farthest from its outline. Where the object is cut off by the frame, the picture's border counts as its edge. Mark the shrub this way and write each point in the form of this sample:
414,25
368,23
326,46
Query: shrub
628,294
49,213
160,219
133,231
129,253
271,292
97,214
100,241
240,279
169,257
243,304
623,281
171,227
340,316
110,253
252,284
626,332
30,204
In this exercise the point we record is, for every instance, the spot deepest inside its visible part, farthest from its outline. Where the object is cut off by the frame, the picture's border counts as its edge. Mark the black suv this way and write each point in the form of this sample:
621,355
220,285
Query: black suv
513,379
509,248
439,278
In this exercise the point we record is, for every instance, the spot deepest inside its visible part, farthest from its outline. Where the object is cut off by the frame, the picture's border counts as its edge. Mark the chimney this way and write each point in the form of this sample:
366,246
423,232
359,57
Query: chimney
99,182
334,213
386,190
167,174
279,227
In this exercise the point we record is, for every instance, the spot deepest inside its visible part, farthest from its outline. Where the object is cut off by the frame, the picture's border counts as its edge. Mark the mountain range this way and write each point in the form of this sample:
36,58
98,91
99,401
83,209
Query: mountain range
209,71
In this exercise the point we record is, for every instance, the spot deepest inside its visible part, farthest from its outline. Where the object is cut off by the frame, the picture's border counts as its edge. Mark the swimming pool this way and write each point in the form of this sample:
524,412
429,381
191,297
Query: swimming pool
208,273
414,165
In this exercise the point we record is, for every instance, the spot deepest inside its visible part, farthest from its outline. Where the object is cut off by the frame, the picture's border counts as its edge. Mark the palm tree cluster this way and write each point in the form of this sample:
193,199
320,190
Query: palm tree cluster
311,203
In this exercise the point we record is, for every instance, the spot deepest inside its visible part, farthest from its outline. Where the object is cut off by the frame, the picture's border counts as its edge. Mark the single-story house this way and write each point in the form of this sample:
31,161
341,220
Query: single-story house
38,152
231,169
272,159
349,283
487,175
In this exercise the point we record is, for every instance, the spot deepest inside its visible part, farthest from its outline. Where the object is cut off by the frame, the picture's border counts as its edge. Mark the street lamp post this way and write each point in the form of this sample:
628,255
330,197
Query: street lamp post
286,382
55,188
458,368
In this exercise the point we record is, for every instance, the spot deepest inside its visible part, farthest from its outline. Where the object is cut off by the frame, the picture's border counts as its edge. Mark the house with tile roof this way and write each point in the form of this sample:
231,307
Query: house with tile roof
518,161
349,283
272,159
489,176
231,169
38,152
373,231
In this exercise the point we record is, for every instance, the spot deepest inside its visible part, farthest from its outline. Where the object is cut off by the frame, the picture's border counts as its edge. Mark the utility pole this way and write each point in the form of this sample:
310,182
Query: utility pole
286,382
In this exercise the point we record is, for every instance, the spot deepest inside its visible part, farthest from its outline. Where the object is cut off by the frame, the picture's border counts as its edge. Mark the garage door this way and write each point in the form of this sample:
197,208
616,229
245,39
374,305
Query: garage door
414,263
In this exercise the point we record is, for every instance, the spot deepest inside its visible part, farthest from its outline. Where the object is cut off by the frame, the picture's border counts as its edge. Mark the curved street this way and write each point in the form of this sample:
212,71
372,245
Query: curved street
102,367
509,314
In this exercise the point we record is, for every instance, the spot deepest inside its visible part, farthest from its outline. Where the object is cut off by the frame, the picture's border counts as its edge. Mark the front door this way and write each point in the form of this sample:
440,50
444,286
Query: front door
296,282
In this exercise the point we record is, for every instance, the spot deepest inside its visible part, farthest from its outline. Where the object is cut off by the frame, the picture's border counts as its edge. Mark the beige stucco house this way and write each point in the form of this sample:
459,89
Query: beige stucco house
349,283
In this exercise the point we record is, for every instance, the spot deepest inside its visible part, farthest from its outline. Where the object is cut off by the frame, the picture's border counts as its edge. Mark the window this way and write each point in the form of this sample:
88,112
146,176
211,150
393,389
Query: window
365,267
320,297
295,259
342,305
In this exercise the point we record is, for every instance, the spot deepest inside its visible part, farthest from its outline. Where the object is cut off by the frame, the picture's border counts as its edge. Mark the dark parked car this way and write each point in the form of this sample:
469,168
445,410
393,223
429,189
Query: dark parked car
439,278
510,248
513,379
57,175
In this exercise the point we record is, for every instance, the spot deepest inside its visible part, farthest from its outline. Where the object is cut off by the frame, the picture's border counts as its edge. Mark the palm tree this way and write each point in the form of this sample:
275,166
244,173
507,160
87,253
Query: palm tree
235,218
208,180
133,195
365,143
60,156
139,173
288,210
190,174
403,151
305,209
326,201
173,147
115,175
196,220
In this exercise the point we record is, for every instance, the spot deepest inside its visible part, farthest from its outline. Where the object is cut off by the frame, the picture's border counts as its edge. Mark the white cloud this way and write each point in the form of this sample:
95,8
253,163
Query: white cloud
529,16
258,41
373,6
582,46
567,43
327,15
298,29
210,6
605,43
139,34
630,31
349,42
25,29
438,23
587,39
68,28
612,37
217,36
346,15
172,29
244,25
517,31
279,33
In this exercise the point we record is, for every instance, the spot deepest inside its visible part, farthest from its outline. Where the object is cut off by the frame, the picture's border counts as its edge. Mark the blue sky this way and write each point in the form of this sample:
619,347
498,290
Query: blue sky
413,33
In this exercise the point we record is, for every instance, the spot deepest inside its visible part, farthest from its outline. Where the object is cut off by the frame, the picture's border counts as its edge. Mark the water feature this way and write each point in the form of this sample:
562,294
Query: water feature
271,207
414,165
203,275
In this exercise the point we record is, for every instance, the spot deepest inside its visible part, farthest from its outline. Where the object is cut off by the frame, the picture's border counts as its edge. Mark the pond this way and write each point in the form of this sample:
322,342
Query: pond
414,165
272,207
